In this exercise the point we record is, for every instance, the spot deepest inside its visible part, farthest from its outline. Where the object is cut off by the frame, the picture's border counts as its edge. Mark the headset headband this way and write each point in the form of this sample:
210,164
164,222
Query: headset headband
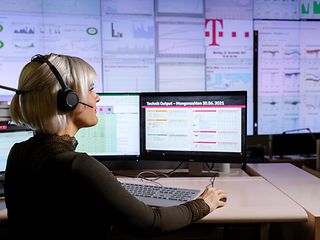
67,99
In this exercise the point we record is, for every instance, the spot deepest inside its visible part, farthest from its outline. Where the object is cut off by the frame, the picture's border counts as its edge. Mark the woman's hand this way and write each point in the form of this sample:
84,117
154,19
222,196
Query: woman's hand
214,197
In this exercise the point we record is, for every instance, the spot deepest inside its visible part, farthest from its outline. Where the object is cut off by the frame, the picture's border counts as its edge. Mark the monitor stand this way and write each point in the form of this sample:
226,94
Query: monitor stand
224,169
196,170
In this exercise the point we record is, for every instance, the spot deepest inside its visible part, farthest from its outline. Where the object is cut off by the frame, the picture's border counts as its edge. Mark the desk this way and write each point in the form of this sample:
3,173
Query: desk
250,200
299,185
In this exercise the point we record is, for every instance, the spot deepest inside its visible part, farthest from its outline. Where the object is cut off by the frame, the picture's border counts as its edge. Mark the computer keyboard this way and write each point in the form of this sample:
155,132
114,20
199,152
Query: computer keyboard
160,196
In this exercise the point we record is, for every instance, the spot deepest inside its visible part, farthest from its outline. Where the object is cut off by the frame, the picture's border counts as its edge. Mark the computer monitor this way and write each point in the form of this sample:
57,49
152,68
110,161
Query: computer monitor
117,131
196,126
288,145
8,137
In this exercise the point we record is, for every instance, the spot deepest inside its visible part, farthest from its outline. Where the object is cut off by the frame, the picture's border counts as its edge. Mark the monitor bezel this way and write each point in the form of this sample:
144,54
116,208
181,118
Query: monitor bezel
216,157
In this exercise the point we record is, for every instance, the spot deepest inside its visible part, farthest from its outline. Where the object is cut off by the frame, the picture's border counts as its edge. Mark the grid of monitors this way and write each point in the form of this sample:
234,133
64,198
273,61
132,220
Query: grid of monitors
141,45
199,126
137,45
7,139
117,130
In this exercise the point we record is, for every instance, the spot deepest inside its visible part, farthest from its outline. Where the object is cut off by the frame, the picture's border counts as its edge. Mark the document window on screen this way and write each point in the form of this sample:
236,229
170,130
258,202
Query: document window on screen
193,128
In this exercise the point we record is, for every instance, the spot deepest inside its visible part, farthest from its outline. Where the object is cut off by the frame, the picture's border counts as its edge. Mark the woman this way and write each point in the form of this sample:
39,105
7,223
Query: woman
52,191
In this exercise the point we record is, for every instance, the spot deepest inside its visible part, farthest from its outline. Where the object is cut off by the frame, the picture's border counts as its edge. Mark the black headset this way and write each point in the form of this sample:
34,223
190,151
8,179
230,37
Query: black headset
67,99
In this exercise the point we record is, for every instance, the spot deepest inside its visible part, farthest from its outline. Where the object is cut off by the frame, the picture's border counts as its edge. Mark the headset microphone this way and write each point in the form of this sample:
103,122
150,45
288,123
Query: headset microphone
85,104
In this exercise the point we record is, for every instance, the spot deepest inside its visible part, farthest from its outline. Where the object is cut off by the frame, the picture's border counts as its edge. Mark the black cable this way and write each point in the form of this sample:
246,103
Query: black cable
175,169
157,175
212,179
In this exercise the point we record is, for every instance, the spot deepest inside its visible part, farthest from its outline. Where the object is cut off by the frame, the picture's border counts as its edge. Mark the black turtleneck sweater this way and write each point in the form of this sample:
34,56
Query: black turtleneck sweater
53,192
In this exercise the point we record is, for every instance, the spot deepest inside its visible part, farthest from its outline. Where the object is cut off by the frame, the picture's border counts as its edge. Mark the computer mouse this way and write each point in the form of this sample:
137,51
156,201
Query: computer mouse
223,199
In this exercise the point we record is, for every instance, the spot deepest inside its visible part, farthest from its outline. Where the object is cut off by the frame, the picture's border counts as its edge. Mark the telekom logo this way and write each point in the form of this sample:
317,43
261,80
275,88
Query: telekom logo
213,33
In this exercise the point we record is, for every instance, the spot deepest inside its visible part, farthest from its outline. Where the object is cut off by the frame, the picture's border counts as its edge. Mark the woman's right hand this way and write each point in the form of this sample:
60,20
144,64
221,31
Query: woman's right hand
213,197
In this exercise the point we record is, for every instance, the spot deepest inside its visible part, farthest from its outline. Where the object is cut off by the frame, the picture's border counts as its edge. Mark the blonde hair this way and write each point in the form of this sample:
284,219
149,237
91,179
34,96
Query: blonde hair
36,106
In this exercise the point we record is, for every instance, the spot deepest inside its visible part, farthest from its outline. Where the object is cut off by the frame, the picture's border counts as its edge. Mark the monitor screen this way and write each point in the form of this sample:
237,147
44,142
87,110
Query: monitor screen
7,139
117,130
287,76
197,126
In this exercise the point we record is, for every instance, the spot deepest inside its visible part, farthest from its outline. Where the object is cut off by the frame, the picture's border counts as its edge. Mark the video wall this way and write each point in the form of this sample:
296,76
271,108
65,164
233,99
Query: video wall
180,45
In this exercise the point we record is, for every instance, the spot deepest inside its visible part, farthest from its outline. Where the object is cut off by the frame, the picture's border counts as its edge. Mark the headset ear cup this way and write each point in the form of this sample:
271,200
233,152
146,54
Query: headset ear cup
67,100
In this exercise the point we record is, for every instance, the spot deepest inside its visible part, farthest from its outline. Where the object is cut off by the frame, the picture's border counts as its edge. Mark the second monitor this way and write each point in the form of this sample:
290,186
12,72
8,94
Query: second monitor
198,126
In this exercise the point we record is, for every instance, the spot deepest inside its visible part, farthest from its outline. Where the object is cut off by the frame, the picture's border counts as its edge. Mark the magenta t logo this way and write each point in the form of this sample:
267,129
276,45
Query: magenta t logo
213,32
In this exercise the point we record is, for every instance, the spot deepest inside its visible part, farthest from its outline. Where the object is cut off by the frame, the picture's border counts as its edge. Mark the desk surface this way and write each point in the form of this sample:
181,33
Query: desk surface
299,185
250,199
